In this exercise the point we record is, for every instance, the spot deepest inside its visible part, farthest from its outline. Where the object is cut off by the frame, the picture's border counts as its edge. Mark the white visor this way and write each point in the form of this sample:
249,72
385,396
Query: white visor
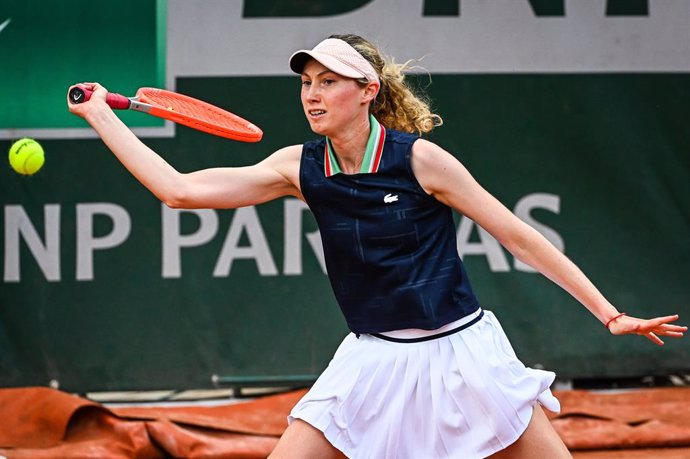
337,56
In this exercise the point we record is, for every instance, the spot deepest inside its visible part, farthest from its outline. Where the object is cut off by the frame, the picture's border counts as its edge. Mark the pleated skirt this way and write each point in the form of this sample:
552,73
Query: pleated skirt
465,396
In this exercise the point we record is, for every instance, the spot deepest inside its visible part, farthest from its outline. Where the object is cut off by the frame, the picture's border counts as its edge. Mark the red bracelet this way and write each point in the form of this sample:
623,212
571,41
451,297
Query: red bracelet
614,318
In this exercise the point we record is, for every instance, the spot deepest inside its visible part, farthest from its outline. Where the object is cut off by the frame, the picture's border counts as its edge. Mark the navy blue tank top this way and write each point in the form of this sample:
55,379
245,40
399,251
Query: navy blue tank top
390,248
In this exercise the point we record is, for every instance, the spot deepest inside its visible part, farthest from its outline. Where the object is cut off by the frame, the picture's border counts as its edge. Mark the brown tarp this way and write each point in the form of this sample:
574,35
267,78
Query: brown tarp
638,424
41,423
44,423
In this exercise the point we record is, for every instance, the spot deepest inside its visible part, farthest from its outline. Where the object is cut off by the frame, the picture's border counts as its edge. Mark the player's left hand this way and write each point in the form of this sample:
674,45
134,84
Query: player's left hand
651,329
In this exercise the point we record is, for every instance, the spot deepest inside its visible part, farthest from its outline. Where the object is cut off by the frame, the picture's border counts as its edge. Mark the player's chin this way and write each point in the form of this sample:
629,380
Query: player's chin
317,127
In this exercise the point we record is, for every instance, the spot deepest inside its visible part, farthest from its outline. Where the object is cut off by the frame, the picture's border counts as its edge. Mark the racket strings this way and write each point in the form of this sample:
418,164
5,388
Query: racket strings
198,109
198,114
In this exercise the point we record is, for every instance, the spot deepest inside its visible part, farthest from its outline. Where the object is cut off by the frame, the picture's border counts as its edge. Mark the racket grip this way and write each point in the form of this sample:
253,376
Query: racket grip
80,94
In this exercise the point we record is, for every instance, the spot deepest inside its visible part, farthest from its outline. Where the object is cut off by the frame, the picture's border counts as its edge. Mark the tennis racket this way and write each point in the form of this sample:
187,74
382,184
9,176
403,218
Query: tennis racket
179,108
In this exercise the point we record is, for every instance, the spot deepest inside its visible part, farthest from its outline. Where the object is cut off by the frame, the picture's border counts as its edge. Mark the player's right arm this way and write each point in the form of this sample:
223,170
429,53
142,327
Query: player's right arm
225,187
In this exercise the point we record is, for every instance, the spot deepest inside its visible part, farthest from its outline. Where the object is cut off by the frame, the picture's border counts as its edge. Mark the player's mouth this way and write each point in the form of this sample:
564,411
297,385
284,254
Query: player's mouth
315,114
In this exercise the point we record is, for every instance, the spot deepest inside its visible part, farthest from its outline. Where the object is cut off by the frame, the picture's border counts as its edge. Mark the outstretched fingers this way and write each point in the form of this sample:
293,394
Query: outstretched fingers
652,329
651,336
661,326
664,319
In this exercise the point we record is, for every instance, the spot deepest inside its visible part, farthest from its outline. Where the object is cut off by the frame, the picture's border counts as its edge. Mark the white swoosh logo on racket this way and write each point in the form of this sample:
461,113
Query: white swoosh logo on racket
4,24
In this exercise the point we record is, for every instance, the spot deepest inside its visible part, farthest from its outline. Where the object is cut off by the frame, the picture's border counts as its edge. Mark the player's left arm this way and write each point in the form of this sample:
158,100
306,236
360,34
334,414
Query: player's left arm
446,179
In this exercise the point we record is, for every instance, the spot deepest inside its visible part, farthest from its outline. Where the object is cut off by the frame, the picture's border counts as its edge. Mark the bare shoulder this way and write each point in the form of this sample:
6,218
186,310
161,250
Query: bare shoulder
434,167
292,151
286,162
286,155
428,155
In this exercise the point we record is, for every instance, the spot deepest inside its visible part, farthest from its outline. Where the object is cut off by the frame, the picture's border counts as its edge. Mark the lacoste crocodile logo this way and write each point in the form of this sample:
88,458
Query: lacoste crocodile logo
390,198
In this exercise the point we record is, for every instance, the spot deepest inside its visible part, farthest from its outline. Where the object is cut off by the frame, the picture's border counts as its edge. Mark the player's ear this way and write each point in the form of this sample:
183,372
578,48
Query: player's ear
370,91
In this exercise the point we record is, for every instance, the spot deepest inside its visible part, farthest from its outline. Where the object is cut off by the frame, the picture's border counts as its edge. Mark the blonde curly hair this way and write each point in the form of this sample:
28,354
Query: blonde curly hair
396,106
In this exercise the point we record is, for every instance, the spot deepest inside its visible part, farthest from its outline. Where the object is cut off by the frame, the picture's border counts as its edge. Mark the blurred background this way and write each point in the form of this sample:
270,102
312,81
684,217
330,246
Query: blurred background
574,113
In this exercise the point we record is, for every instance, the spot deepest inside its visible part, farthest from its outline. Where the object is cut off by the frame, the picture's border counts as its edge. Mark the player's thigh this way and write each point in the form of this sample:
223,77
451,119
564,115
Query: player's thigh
303,441
539,440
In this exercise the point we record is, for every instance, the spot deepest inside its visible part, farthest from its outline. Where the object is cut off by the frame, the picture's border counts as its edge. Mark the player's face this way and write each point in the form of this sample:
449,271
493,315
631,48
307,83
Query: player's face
331,102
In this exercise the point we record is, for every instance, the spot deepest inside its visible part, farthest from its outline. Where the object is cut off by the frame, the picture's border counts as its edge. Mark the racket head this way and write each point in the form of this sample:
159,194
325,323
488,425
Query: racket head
198,114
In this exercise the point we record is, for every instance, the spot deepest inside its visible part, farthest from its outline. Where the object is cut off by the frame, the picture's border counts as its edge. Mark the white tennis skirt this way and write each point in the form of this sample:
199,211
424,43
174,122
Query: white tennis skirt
465,395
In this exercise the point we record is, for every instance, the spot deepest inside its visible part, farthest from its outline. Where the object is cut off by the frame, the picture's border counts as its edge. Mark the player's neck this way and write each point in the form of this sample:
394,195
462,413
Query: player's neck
350,144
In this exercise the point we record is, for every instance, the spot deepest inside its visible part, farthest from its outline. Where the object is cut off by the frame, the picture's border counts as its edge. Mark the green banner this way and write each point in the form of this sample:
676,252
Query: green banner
48,46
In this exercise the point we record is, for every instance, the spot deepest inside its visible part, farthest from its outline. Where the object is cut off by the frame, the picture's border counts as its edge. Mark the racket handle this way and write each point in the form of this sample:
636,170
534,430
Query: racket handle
79,94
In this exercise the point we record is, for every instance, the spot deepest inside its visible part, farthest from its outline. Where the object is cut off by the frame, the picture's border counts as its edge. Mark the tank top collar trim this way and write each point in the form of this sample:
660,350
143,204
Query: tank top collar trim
372,153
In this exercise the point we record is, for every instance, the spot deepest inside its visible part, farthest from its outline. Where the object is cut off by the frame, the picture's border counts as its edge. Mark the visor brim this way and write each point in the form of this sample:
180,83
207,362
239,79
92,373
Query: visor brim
299,59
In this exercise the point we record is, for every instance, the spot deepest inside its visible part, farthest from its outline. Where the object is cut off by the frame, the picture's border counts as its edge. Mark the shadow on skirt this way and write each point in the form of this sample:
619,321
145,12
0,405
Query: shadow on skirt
461,396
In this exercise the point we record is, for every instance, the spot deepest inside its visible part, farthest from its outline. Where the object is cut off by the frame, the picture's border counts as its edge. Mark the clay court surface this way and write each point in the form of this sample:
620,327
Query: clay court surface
41,423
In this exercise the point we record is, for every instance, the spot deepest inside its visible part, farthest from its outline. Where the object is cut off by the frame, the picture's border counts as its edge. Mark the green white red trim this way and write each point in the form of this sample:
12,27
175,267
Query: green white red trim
372,153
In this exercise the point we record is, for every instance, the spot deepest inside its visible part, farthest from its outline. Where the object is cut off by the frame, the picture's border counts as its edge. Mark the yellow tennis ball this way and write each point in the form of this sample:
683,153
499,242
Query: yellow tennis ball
26,156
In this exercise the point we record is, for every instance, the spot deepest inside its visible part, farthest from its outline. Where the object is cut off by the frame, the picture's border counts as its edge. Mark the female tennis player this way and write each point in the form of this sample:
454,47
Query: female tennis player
426,372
